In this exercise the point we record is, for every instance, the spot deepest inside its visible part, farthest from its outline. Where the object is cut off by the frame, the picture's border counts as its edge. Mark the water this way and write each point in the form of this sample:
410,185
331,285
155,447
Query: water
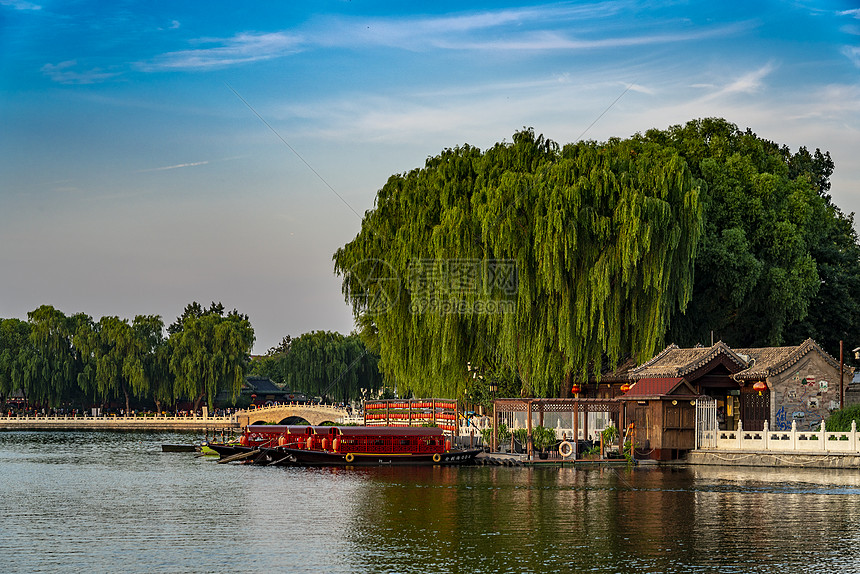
113,502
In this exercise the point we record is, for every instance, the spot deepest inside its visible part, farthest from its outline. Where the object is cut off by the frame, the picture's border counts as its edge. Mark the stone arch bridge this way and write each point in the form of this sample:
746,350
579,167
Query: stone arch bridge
291,414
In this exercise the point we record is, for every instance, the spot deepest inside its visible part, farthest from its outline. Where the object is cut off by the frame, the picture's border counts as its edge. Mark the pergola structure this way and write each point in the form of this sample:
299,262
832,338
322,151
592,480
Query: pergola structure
541,406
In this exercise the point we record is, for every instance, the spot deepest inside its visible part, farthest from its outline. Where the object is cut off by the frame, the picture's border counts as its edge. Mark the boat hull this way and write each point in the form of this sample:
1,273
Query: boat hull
226,450
328,458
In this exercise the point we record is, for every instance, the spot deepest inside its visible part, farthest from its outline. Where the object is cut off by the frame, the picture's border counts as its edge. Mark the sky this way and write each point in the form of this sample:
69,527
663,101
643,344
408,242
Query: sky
158,153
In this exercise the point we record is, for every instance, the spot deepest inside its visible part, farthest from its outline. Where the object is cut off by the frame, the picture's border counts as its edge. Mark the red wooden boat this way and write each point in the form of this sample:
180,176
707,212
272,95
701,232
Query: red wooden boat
262,438
347,445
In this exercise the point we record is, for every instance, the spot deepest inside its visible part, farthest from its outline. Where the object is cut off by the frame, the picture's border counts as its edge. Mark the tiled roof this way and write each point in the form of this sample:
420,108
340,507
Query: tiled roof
674,361
659,387
263,385
769,361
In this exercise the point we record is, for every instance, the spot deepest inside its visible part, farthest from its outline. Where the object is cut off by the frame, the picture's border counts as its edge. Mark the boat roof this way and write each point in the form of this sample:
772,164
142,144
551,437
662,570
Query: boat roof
281,429
382,431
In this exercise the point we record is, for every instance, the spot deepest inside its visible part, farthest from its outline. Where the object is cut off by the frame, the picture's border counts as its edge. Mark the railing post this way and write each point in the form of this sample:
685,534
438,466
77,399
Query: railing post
740,435
853,438
794,435
766,432
823,440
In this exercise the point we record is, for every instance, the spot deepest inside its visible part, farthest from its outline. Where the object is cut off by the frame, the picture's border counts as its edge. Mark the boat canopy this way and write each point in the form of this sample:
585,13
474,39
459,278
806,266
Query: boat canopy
383,431
281,429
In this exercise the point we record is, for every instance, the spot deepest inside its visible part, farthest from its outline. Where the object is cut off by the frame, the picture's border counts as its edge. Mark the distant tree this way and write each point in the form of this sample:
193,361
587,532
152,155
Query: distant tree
117,355
17,357
322,363
53,370
209,352
149,332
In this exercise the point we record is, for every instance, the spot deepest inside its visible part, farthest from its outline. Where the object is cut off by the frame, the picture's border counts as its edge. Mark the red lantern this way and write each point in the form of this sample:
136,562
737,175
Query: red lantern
625,387
575,389
759,386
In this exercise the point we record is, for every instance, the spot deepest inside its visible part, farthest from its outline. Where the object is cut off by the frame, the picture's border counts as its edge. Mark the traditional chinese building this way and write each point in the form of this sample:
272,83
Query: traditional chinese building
749,386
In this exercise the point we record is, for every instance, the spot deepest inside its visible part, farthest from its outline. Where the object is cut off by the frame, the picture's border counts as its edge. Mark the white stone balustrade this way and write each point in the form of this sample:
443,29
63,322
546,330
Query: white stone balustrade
792,440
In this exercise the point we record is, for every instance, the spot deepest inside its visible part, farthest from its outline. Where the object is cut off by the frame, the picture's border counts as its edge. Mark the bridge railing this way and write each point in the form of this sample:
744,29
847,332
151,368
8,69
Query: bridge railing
274,406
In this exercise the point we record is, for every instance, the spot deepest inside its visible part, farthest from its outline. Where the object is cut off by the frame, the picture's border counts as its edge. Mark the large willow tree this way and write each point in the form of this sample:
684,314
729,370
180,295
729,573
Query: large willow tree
602,237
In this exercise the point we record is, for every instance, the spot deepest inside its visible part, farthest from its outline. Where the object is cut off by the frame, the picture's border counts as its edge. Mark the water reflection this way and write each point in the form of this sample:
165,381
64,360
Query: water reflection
113,502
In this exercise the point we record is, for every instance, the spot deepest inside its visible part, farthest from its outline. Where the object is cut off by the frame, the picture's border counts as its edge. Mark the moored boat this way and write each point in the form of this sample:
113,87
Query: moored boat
262,437
347,446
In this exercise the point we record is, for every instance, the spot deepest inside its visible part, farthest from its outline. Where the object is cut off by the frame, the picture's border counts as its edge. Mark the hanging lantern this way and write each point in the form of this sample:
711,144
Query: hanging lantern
575,389
625,387
759,386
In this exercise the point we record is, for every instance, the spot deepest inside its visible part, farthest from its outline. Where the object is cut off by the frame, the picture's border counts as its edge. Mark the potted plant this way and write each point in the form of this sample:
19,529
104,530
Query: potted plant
503,435
487,436
543,438
610,439
522,437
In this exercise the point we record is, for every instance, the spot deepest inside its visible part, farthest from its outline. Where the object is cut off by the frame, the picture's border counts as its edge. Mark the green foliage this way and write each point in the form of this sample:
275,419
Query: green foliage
775,255
323,363
17,357
543,437
55,364
209,353
610,434
840,420
602,235
503,435
522,436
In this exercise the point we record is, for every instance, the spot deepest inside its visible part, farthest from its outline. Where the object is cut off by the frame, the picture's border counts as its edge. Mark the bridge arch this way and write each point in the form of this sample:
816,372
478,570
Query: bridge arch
277,414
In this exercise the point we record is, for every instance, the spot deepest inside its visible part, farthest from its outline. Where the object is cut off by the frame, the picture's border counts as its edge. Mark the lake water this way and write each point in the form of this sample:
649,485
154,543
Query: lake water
113,502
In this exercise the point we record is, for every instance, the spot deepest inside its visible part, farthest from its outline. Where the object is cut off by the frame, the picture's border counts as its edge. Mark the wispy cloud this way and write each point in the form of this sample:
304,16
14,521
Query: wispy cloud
177,166
65,73
748,83
221,52
550,27
853,54
20,5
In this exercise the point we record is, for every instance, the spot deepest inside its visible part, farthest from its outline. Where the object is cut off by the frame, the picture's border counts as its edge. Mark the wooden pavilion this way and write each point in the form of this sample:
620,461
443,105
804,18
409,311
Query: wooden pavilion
576,406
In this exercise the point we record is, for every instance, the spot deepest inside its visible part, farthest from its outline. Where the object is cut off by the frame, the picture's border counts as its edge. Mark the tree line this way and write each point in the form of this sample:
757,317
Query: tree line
54,358
325,364
695,232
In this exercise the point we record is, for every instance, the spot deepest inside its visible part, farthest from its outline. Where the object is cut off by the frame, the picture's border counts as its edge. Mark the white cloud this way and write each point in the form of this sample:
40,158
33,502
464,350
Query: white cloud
240,49
853,54
177,166
749,83
20,5
64,73
552,27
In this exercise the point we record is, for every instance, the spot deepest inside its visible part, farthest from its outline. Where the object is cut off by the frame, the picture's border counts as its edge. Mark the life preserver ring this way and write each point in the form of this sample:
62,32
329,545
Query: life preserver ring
437,457
565,449
350,457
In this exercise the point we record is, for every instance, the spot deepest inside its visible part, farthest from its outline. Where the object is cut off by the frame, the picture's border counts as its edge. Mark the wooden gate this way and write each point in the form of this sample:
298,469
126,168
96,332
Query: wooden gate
706,422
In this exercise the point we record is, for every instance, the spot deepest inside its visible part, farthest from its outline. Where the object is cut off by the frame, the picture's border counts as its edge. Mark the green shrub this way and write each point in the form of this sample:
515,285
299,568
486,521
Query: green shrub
504,433
610,434
522,436
543,437
840,420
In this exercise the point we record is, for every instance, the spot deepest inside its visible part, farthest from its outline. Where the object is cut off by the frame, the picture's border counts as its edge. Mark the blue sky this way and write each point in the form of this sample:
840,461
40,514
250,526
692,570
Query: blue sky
156,153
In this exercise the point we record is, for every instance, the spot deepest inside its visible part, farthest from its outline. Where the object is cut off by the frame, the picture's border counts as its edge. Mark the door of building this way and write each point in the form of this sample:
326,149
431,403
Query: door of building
755,408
